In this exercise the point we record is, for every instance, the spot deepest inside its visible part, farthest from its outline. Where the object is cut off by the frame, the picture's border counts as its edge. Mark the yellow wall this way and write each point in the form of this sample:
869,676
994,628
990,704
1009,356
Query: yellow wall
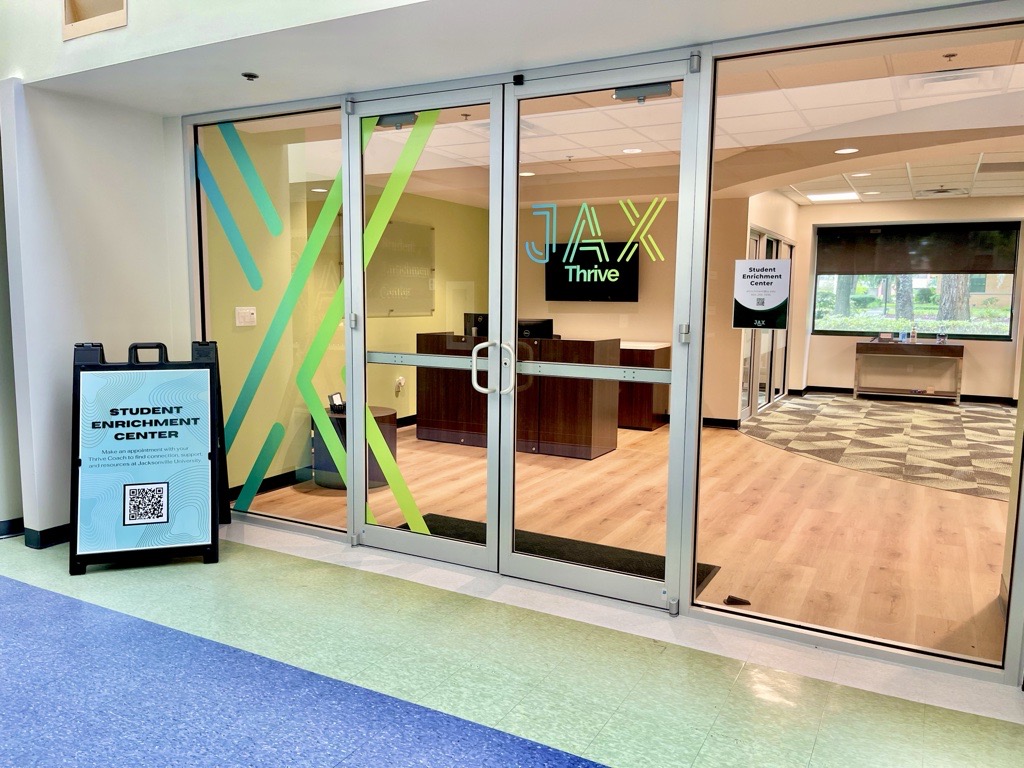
277,399
460,256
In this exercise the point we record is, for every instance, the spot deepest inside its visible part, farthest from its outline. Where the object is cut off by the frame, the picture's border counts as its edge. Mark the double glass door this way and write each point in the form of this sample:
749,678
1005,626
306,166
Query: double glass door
764,350
513,303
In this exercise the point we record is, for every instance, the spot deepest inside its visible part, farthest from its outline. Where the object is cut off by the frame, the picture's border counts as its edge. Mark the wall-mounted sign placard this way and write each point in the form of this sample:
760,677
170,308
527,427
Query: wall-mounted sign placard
146,466
400,279
761,294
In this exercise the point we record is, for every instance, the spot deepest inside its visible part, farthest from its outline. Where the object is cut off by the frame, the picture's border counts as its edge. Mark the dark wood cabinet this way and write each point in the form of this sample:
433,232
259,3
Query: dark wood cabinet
642,405
555,416
448,409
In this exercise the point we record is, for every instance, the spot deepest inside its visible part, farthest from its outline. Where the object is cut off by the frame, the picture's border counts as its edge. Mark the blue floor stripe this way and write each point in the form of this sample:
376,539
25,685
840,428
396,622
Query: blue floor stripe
82,685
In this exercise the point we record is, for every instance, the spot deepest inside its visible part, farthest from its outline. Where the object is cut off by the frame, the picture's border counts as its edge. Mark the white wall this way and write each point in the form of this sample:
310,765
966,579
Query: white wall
30,31
990,367
97,252
10,482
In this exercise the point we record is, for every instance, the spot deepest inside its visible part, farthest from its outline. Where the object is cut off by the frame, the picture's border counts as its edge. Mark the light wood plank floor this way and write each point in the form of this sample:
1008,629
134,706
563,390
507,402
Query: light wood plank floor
803,540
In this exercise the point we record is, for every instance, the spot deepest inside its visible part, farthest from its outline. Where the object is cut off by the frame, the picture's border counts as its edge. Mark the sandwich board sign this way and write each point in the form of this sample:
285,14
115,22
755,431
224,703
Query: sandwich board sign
146,459
761,294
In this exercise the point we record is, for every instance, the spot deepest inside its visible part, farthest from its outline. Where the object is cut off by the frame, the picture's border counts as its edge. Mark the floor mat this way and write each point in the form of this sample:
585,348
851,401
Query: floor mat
966,448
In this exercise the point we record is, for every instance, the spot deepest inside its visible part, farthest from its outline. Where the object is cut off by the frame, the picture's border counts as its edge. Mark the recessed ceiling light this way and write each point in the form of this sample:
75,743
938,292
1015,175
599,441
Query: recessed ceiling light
527,173
859,175
632,151
871,193
318,189
846,151
832,197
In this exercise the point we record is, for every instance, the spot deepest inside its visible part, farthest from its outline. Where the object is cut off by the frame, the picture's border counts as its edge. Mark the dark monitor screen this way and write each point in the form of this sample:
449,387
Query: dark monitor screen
587,279
476,324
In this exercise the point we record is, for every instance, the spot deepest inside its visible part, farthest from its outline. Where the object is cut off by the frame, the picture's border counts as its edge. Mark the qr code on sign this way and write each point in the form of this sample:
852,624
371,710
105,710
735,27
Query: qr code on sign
145,503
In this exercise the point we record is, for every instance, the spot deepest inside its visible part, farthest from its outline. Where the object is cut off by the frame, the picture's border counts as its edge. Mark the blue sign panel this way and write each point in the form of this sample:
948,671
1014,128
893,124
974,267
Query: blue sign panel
145,478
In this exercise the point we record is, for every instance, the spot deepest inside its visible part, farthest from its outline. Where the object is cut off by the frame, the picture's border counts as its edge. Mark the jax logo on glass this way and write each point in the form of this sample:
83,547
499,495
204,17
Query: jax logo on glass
586,239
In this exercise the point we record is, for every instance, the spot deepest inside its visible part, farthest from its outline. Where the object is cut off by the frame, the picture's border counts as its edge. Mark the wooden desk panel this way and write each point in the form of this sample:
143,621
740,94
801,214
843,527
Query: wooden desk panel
554,416
641,405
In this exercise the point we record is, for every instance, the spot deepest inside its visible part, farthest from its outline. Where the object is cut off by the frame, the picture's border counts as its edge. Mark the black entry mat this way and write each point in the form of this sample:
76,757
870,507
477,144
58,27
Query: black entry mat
556,548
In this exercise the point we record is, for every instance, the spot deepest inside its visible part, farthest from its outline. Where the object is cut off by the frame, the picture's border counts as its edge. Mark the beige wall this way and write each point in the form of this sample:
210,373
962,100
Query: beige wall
720,389
990,367
649,319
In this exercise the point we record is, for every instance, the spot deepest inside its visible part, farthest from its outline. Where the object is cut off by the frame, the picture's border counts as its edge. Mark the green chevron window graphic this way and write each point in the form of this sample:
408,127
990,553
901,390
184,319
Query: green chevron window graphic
641,233
284,314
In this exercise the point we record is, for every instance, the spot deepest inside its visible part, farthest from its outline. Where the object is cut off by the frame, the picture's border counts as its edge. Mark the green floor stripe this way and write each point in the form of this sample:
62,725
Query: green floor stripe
260,467
252,179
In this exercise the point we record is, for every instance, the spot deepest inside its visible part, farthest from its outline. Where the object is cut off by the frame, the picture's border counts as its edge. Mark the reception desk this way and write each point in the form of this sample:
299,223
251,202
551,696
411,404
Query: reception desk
554,416
909,369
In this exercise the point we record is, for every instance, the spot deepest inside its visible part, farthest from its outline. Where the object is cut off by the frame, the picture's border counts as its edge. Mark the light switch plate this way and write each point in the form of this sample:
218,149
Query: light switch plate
245,317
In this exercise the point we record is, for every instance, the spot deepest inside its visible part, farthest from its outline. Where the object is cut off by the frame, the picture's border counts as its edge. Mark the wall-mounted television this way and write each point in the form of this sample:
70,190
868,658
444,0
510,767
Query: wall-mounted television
587,279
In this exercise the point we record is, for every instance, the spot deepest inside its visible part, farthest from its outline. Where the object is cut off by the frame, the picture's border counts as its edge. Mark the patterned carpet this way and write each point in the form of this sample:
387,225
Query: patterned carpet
966,448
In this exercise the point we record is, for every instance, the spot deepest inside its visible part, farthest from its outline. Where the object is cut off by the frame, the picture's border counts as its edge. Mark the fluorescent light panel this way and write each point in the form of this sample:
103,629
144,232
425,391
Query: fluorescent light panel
832,197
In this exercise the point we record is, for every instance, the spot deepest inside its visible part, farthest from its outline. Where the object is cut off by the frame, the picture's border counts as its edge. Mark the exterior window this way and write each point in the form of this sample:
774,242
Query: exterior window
954,279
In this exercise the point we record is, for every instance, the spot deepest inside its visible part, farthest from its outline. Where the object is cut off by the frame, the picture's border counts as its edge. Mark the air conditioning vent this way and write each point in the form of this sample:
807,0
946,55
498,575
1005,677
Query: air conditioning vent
941,192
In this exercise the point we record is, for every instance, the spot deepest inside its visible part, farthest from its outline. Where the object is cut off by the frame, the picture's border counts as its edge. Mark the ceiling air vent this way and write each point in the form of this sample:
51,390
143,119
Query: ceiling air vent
1001,168
941,192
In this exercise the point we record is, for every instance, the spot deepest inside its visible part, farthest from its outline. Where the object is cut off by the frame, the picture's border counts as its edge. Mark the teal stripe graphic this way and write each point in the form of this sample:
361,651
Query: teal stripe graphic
292,294
260,467
227,221
283,314
252,179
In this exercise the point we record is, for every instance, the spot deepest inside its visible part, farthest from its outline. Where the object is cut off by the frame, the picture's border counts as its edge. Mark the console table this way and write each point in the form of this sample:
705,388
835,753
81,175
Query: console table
914,379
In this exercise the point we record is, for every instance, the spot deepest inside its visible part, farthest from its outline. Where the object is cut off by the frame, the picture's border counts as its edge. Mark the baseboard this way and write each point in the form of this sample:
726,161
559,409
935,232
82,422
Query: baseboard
1004,596
989,399
48,537
721,423
407,421
796,392
14,527
284,480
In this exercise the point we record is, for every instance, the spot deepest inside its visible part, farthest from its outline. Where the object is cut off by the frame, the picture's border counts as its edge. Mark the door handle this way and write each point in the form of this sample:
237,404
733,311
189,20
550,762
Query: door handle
474,358
512,368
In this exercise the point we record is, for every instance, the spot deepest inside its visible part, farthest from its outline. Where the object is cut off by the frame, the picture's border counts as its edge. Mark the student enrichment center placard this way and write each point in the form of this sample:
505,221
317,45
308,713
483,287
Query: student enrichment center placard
761,294
145,474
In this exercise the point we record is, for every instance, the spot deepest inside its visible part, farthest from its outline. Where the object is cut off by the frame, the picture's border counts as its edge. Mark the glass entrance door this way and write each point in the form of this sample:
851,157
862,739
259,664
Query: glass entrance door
515,307
428,353
592,289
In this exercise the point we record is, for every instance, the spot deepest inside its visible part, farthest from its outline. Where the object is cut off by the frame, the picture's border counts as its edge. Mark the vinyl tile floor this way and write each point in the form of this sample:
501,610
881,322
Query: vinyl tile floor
613,697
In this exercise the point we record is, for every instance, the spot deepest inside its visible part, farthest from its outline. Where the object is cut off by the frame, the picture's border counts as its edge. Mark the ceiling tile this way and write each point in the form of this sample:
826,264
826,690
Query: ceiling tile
772,122
809,75
992,54
826,117
623,137
760,138
546,144
745,104
662,132
842,94
574,122
657,112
